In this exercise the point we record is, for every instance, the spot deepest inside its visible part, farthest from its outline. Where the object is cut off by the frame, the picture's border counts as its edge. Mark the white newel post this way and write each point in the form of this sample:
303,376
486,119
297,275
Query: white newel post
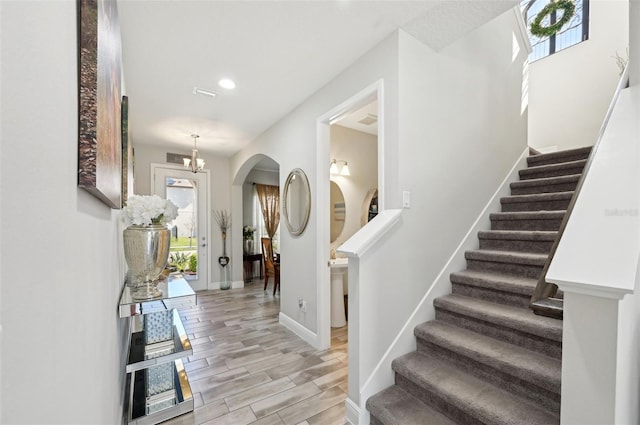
589,352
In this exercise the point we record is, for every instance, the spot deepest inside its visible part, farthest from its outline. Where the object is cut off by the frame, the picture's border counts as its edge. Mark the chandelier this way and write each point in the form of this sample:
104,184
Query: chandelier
194,163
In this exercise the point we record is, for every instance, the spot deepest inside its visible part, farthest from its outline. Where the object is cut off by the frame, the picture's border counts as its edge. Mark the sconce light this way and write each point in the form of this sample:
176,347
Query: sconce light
194,163
342,171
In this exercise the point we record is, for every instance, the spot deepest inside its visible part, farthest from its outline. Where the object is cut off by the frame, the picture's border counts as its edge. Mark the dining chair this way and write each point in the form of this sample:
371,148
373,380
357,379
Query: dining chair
271,266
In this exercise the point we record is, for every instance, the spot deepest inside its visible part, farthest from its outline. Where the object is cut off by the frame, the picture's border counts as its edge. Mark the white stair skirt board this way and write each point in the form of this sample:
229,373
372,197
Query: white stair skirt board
298,329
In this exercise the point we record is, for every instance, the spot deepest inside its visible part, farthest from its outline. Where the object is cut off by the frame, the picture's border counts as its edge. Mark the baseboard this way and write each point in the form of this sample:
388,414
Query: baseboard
234,285
382,375
352,412
295,327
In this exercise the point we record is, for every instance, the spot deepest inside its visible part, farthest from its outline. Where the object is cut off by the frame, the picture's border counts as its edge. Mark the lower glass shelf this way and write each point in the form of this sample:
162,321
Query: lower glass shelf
141,410
178,347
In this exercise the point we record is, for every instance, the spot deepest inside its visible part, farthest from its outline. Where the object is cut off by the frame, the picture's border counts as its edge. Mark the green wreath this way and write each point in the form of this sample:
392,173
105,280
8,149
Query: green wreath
568,8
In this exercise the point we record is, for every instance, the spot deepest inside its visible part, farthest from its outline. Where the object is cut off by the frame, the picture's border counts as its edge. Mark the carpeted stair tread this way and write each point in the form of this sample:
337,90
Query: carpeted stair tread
520,235
553,170
544,184
542,371
517,318
527,264
495,281
485,402
537,197
513,257
395,406
527,220
559,156
517,240
529,215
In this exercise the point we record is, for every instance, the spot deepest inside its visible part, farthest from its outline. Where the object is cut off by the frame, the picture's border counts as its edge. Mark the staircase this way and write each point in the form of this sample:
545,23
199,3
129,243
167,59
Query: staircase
486,358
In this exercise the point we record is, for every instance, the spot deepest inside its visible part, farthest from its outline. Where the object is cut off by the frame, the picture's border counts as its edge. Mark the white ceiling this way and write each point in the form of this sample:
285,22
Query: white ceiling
364,119
278,52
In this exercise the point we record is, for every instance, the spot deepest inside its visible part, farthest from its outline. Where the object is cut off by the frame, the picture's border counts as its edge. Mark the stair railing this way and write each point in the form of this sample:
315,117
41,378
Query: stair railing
544,301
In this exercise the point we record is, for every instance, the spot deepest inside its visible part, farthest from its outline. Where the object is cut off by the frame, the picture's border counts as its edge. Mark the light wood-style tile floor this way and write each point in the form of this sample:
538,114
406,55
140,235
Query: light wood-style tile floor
246,368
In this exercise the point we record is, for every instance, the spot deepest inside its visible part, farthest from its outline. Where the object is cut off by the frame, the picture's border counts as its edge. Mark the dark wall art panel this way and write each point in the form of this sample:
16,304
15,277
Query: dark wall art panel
99,139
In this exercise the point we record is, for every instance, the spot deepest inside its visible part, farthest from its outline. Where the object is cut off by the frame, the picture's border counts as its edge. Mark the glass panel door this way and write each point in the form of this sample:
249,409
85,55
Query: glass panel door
189,245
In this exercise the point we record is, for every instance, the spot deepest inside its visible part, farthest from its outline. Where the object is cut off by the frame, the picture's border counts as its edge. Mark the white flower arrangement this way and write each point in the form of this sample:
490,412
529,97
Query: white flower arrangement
147,210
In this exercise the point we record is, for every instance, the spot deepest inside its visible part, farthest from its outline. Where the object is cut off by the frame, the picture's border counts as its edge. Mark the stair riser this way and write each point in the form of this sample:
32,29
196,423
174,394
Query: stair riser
513,269
526,224
537,160
538,247
488,294
509,382
548,188
435,401
532,342
528,174
555,205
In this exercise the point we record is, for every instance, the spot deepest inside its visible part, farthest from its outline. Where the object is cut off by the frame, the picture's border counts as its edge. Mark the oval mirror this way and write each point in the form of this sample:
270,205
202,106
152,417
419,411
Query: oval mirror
297,201
338,211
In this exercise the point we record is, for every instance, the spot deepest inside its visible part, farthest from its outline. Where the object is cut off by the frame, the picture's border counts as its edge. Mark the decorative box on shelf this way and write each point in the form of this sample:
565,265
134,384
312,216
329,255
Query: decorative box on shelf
157,387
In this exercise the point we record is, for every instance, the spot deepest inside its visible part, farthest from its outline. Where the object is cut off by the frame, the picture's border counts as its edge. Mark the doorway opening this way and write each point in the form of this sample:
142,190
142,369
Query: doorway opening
360,117
190,252
258,169
353,196
265,174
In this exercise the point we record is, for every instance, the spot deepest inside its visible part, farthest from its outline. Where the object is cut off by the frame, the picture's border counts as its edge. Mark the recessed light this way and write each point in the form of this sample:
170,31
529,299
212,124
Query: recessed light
197,90
227,83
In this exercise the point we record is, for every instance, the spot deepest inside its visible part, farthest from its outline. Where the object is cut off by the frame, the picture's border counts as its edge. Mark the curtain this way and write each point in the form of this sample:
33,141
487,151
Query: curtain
258,219
258,223
269,197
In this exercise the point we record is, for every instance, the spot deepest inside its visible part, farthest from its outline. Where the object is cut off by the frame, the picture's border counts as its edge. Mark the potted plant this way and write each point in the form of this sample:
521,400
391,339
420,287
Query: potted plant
247,235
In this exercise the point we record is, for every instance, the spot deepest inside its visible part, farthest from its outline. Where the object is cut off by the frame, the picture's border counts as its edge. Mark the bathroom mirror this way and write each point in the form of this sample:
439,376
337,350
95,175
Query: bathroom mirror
297,201
337,212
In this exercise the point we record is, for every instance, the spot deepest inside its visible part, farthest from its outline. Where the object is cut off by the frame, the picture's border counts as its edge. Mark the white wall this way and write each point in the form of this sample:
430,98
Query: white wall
61,265
570,91
146,154
461,130
292,143
360,150
628,371
634,41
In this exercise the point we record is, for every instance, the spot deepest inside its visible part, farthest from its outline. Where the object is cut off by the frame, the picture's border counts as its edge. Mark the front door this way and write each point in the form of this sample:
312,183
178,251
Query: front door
189,251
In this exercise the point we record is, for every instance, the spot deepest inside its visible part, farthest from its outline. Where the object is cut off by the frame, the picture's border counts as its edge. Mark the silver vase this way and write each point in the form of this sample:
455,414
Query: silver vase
146,250
248,246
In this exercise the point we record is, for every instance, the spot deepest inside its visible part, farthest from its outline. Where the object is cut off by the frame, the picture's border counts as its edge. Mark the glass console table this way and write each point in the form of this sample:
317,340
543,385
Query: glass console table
157,387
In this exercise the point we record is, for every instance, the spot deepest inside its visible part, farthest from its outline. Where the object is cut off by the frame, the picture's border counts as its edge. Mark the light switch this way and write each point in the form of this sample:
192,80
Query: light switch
406,199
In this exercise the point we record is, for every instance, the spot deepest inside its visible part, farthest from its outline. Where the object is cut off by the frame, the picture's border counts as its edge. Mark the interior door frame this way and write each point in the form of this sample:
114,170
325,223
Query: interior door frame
204,282
323,137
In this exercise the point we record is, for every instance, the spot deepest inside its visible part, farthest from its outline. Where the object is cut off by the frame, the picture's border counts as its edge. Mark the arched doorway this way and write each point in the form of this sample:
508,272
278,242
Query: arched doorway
262,170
